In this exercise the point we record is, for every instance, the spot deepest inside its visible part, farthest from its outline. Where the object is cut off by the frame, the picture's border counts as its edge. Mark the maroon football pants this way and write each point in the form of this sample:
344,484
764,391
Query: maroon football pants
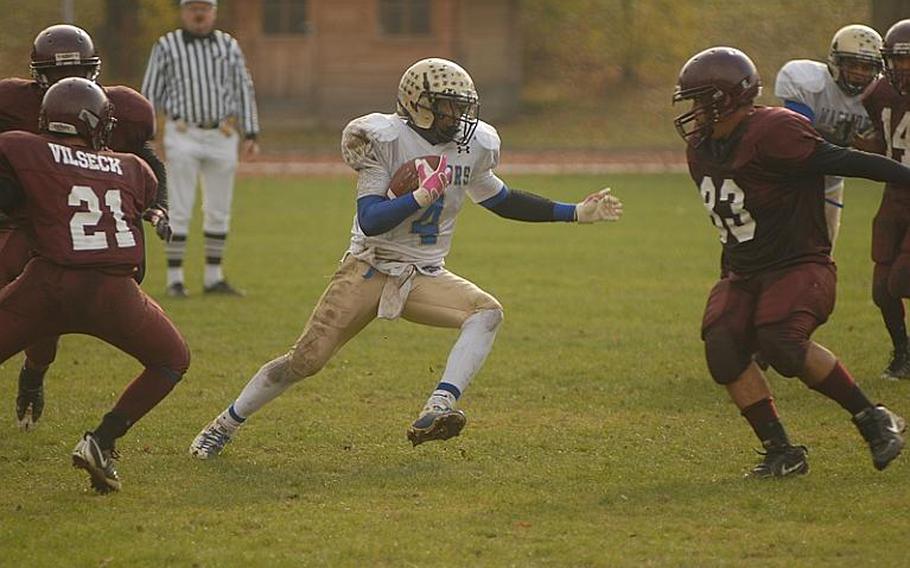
49,300
15,252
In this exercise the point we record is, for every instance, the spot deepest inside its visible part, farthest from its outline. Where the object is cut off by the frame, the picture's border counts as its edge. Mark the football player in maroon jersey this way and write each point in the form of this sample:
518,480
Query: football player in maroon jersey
888,105
760,172
65,51
84,206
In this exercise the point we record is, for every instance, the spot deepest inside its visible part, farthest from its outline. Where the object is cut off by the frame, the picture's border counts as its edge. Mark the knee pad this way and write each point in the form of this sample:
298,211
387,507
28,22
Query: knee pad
490,319
727,354
784,347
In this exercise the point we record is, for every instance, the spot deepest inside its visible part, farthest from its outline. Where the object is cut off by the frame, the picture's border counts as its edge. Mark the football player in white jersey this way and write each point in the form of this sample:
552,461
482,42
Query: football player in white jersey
394,266
829,95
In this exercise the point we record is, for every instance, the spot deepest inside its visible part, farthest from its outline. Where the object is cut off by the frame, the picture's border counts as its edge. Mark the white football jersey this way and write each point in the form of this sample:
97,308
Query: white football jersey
838,116
375,146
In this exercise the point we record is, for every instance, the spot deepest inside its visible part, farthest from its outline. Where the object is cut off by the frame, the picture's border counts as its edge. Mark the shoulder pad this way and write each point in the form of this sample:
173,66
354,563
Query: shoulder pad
361,137
376,126
486,136
801,76
14,88
129,104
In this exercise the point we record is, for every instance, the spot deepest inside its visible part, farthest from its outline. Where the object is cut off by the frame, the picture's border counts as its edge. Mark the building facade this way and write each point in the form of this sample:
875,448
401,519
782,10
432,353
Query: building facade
325,61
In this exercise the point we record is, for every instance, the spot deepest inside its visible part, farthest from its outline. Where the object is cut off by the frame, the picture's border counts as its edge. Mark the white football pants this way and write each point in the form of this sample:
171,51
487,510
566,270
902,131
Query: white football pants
195,152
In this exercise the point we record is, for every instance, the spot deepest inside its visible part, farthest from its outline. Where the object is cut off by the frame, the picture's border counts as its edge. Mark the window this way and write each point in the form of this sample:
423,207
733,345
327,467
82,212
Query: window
284,17
404,17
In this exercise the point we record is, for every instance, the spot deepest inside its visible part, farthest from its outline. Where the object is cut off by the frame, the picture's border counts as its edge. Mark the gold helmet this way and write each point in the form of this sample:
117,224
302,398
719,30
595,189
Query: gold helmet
858,45
438,97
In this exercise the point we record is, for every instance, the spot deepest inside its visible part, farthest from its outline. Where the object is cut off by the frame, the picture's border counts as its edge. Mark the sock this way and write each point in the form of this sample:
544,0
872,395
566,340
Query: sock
765,422
840,387
213,274
230,420
31,378
112,426
470,351
40,354
893,316
143,394
268,383
174,252
214,252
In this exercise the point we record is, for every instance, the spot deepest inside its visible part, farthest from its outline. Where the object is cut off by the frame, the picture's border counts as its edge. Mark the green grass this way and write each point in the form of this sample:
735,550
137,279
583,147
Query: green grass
595,435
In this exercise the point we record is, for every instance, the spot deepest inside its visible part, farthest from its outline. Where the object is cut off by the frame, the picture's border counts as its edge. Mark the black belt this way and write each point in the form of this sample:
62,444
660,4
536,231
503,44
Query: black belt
202,125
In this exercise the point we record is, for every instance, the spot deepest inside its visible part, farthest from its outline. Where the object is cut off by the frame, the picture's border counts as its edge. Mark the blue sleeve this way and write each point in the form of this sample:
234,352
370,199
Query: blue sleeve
377,214
801,108
524,206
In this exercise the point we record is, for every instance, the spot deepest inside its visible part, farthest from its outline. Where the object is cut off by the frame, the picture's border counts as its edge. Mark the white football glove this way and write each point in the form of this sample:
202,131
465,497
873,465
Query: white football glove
433,183
599,206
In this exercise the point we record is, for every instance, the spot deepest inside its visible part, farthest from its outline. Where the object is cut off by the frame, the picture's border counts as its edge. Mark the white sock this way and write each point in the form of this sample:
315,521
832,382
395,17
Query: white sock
174,275
469,352
270,380
213,274
229,420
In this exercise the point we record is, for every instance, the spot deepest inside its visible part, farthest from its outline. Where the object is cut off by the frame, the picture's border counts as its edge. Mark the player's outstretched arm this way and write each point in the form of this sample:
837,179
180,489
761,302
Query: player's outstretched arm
525,206
829,159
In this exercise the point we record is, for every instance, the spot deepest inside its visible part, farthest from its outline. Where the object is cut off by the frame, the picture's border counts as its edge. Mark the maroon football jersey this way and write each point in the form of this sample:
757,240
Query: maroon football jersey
84,207
769,211
890,114
20,103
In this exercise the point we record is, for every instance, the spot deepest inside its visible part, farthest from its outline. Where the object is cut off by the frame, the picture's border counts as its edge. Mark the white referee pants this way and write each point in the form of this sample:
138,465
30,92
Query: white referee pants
196,153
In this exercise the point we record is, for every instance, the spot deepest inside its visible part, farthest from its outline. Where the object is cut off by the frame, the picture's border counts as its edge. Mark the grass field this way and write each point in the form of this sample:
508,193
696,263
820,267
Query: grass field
595,435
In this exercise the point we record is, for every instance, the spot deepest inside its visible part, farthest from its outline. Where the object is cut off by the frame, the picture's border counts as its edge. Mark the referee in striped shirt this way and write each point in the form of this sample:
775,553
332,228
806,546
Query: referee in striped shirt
197,75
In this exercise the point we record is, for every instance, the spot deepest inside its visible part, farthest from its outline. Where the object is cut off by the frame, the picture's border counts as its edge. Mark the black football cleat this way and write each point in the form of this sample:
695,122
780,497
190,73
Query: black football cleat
899,366
782,461
222,288
99,464
177,290
882,429
436,423
30,400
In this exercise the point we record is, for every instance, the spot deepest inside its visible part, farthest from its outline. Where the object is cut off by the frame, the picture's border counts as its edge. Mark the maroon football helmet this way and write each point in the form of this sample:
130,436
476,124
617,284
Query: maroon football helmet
896,54
78,107
65,48
719,81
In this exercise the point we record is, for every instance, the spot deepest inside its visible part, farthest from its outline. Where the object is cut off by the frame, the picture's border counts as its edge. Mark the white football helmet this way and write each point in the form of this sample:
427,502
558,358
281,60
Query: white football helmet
438,97
855,44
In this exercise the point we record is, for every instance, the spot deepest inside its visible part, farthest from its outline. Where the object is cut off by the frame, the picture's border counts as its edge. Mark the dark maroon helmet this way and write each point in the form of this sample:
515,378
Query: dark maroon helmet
78,107
67,48
895,46
719,81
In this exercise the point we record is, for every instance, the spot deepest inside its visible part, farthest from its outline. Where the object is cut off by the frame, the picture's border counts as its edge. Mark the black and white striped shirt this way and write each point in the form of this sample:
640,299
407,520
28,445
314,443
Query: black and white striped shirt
202,80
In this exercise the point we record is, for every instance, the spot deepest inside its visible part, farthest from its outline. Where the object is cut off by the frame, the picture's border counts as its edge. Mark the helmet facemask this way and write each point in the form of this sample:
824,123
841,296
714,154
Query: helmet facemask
854,73
455,117
709,106
897,68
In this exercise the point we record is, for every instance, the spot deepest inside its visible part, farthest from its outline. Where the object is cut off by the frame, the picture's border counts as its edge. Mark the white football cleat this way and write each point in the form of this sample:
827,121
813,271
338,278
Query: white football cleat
211,440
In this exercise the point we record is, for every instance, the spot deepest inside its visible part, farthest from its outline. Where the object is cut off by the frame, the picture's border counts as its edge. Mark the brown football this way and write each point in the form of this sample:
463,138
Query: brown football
405,179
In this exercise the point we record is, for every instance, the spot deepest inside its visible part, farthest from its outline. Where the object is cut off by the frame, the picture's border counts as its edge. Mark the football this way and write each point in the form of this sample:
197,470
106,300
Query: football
405,178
